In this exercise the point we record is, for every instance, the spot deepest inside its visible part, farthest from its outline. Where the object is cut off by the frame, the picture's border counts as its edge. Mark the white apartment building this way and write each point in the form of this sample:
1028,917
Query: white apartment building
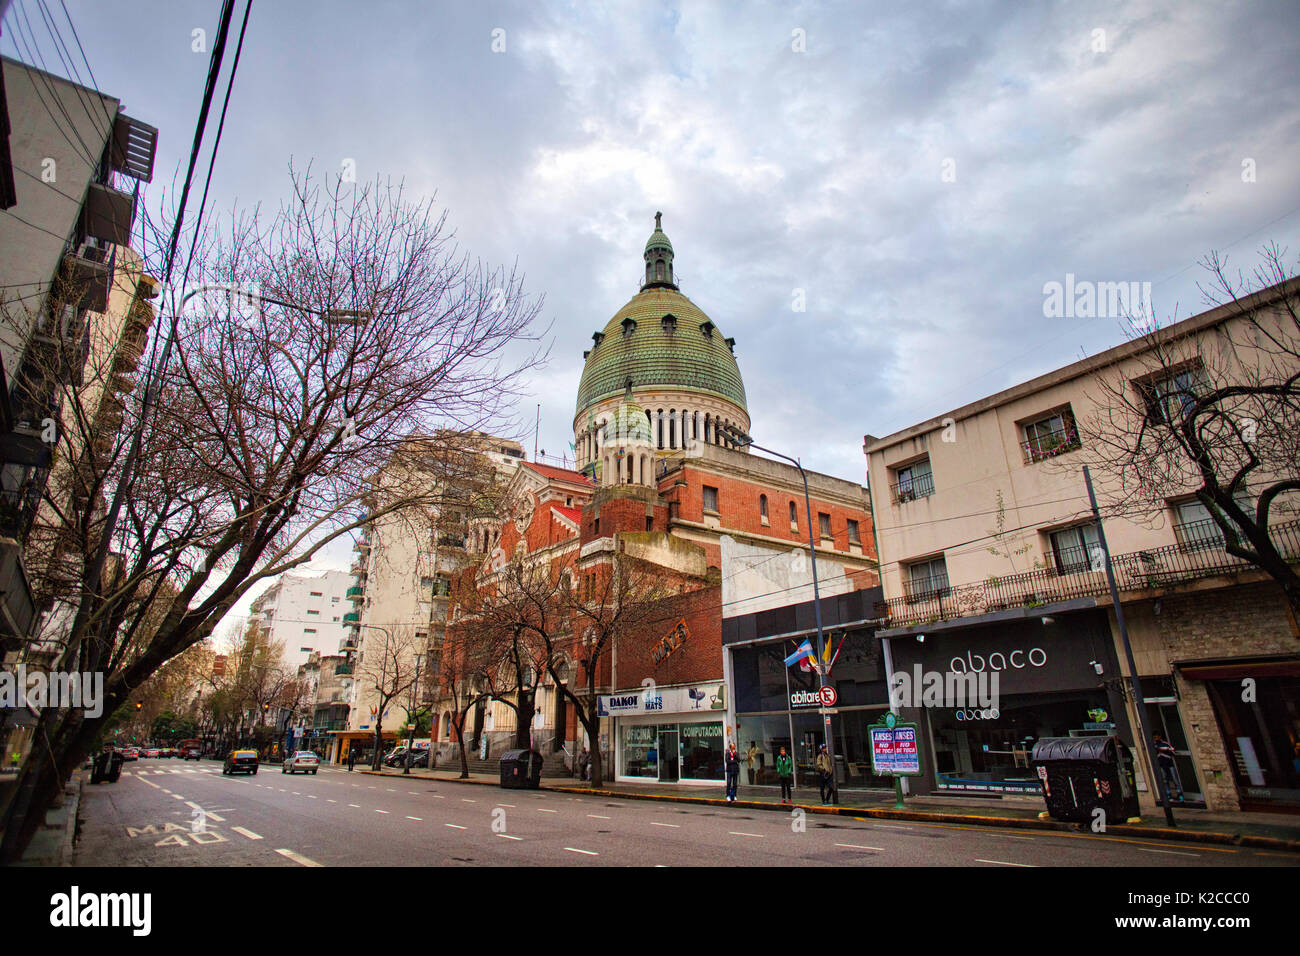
306,613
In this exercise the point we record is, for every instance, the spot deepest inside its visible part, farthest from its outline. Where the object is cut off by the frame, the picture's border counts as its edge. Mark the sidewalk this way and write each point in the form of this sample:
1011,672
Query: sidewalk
1272,831
52,843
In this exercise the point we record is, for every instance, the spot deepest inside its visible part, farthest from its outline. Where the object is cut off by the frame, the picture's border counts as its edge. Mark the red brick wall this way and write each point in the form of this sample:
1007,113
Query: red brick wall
698,659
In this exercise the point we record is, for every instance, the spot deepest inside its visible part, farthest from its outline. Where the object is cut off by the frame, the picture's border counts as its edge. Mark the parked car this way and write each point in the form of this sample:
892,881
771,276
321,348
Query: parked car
241,761
420,758
304,761
191,753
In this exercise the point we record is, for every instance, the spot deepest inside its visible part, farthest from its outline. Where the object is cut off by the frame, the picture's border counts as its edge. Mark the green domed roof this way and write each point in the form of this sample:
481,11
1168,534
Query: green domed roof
628,424
658,240
654,353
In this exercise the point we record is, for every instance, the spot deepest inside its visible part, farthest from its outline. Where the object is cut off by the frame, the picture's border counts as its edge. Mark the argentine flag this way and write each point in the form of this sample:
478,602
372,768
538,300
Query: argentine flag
805,650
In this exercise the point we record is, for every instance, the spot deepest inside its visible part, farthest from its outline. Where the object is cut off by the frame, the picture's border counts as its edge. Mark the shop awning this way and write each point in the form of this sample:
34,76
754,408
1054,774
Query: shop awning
1231,670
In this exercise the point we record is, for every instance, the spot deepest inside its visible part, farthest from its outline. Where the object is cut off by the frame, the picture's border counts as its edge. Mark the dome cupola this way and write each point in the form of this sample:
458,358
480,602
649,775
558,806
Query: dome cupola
658,259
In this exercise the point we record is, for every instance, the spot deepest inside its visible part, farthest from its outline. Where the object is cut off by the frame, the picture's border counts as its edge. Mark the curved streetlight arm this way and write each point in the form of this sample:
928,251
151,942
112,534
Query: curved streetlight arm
742,439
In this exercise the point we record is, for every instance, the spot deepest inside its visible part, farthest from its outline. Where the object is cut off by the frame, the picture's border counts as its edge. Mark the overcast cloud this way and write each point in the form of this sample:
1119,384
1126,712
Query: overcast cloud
776,170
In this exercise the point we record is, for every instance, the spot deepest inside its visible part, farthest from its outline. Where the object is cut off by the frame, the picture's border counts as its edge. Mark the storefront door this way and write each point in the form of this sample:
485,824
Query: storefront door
668,751
1164,720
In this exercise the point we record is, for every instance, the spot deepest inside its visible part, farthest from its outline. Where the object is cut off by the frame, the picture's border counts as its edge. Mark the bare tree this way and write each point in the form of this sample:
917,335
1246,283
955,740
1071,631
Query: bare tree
461,680
1213,411
388,671
256,425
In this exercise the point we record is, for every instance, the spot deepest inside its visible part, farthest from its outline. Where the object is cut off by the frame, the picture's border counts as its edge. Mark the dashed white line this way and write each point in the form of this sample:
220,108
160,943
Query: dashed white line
327,800
465,800
507,836
1169,852
741,833
510,805
298,858
454,826
544,810
356,805
855,846
381,811
1004,863
574,849
597,816
248,833
421,819
675,826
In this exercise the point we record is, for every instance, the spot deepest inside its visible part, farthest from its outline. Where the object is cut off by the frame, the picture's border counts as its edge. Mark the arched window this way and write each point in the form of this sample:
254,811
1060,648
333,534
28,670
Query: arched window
762,507
659,269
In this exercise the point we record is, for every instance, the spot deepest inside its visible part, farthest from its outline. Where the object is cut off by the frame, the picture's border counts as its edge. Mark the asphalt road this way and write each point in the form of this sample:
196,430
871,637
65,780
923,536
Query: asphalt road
169,813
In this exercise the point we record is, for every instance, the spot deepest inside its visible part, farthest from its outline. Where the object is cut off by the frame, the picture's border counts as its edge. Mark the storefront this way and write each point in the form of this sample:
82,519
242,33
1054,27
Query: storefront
777,706
1055,677
670,735
1257,707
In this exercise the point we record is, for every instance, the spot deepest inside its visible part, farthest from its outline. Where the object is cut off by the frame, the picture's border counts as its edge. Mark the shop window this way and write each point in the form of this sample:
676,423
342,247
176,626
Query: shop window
927,579
1077,549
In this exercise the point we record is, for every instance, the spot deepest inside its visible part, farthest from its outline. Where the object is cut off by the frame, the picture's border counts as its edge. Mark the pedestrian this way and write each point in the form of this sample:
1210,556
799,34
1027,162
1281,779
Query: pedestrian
1165,757
826,771
785,770
732,762
752,757
584,763
352,758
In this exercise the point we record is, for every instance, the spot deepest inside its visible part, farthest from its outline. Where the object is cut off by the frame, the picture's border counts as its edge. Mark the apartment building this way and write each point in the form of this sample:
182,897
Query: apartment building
306,613
991,562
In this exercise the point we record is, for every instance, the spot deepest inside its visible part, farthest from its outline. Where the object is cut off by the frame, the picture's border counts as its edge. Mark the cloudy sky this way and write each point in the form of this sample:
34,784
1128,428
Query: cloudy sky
914,172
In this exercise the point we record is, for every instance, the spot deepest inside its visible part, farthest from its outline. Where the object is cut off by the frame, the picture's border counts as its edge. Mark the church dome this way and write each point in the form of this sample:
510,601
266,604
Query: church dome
660,339
628,426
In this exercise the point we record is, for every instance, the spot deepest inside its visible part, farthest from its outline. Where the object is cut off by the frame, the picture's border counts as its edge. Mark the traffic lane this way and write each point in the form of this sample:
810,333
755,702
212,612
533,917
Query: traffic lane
556,824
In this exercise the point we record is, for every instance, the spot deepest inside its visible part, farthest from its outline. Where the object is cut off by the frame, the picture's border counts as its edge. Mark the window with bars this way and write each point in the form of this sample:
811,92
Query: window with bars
1049,436
1077,549
912,482
926,579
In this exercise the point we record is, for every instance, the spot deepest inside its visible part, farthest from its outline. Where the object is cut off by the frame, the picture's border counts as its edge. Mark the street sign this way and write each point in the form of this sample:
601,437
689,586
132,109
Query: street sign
828,696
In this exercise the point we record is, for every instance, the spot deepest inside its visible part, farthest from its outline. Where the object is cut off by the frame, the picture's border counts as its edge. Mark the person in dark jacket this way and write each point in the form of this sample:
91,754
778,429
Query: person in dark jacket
732,766
352,758
785,771
1165,754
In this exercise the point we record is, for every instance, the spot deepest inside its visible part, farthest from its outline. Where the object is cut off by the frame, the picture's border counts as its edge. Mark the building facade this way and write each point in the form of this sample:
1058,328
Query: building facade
305,612
992,563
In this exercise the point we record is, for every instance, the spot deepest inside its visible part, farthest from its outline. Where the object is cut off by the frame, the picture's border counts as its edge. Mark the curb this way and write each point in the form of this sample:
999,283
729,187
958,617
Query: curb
921,816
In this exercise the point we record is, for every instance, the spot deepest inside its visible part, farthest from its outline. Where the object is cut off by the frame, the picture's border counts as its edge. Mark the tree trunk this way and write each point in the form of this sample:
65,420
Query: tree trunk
379,741
524,712
42,777
459,727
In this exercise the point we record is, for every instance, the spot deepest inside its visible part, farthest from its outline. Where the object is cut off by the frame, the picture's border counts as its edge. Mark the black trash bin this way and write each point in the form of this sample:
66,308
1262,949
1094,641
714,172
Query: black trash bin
1081,774
521,769
107,766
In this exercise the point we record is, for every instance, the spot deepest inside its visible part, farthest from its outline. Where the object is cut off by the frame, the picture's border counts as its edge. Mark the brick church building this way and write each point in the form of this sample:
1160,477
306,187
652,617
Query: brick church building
657,479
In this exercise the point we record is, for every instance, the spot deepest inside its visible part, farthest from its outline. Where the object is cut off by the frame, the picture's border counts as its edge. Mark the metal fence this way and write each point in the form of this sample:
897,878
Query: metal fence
1201,553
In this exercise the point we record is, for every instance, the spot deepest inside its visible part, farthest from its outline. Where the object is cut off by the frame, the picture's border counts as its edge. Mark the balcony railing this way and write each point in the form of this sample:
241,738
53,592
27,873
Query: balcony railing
917,486
352,617
356,593
1073,576
1050,446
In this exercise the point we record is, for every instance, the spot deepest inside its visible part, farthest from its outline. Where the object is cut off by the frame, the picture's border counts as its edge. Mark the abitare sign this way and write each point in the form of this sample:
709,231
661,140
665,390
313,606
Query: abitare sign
894,748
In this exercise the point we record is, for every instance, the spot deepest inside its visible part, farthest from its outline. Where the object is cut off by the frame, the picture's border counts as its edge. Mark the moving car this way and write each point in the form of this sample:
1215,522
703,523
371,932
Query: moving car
153,753
303,761
240,761
130,753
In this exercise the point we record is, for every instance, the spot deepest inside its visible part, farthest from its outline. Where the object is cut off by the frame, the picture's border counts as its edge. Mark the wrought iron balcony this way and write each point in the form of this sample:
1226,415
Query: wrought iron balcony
1198,555
909,489
1051,445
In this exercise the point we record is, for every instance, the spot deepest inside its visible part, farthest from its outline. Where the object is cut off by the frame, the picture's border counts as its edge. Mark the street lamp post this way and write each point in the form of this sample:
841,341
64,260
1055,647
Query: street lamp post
741,439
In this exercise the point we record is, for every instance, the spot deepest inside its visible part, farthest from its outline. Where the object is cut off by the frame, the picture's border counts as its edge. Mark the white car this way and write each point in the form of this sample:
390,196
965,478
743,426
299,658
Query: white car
303,761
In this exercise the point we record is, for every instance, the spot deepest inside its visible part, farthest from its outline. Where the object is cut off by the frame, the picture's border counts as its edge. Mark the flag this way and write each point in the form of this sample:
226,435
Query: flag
805,650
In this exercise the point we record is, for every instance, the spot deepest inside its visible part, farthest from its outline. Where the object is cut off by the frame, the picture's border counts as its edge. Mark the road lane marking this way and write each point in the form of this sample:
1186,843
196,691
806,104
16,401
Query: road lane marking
574,849
597,816
298,858
421,819
356,805
381,811
892,826
331,801
510,805
675,826
454,826
438,797
855,846
1005,863
177,796
389,790
739,833
1143,849
507,836
163,789
464,800
210,814
544,810
248,833
311,796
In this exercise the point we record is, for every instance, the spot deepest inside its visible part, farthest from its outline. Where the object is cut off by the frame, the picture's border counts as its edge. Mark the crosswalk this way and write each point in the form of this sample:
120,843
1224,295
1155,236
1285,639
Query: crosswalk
142,772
